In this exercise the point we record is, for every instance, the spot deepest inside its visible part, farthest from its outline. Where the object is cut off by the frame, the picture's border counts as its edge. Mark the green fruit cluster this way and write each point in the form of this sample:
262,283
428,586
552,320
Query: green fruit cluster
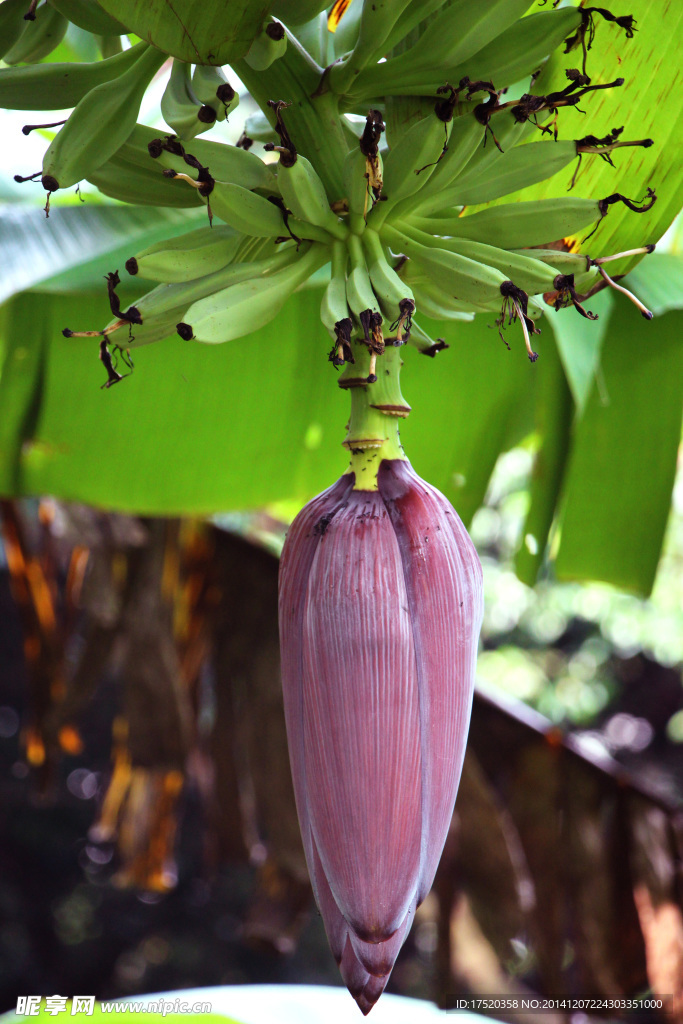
387,210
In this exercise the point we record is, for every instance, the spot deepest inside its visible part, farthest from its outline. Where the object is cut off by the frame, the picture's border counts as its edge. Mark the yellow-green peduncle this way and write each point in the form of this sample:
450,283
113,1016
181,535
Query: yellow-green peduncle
376,411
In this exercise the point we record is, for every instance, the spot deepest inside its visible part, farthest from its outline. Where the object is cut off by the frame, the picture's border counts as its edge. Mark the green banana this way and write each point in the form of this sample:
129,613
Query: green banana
409,164
530,274
518,168
432,302
467,135
212,89
155,328
333,307
305,195
109,46
180,108
122,177
508,133
99,125
388,287
12,24
357,187
359,293
226,163
186,257
452,37
172,296
426,345
516,225
479,167
523,47
301,230
268,46
422,342
374,24
460,278
436,302
247,212
561,262
88,15
509,58
58,86
414,15
243,308
258,128
39,38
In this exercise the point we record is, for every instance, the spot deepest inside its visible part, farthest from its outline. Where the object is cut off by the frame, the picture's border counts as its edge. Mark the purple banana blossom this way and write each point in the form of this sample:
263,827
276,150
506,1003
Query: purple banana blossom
380,612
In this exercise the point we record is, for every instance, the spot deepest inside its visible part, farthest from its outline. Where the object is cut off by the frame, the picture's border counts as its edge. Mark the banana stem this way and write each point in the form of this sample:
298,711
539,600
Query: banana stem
376,410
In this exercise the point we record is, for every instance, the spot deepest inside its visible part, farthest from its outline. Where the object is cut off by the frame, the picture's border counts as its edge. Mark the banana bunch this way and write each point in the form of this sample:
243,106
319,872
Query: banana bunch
392,245
157,313
393,218
220,282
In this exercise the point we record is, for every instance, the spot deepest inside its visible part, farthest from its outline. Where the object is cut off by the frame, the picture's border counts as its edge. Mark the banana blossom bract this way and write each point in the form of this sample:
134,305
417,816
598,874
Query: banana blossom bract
380,612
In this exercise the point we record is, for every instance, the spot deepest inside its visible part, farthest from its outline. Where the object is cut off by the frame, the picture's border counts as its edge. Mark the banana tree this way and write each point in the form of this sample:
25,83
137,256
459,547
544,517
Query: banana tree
391,146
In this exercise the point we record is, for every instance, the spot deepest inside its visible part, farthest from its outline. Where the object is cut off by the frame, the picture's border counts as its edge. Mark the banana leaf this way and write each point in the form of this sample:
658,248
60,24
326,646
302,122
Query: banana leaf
199,429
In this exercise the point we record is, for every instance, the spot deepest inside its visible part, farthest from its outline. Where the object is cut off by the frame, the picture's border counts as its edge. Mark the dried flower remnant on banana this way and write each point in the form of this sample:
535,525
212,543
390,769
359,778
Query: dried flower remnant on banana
515,307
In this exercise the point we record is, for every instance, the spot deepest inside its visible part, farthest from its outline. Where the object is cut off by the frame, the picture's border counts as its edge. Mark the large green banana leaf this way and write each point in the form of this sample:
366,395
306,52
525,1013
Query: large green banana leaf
201,428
